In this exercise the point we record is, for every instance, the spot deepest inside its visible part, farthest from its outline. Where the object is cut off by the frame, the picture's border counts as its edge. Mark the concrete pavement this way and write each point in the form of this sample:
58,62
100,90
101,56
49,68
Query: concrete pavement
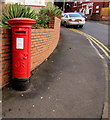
69,84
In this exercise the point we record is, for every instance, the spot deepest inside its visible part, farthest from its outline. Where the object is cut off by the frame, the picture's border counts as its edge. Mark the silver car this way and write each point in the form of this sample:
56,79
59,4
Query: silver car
74,19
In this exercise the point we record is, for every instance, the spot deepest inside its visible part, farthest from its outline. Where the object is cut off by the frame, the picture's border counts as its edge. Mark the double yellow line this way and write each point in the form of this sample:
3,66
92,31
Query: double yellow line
105,50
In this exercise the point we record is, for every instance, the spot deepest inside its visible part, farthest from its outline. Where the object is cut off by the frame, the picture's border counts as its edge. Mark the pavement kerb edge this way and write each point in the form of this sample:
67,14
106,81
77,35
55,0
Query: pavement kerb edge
105,105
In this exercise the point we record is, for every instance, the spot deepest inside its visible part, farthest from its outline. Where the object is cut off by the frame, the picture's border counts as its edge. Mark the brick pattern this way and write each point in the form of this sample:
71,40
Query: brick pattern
43,42
5,56
51,22
100,18
105,18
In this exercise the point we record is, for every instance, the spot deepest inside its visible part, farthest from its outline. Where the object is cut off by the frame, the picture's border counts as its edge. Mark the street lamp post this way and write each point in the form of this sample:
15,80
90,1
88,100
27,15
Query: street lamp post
63,5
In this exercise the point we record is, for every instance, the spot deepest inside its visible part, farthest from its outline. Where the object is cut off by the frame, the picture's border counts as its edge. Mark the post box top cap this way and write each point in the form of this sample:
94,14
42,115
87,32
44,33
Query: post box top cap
21,20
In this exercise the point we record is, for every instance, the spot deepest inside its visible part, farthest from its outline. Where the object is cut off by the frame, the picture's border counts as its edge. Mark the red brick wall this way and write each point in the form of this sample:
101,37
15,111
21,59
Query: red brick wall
101,5
43,42
51,22
105,18
100,18
5,56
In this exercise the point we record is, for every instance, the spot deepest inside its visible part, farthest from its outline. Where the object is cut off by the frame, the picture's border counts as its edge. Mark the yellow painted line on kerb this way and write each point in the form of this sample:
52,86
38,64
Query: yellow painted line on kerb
95,41
92,38
98,43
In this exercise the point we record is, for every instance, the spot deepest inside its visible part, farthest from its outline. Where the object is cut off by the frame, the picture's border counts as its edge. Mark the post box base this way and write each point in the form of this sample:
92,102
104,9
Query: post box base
21,84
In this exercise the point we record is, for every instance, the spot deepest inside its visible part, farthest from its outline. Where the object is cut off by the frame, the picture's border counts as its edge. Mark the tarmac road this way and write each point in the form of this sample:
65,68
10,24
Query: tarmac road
97,30
100,31
69,84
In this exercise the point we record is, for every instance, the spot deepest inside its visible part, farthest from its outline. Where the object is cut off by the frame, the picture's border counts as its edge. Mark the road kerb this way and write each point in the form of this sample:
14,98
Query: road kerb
104,49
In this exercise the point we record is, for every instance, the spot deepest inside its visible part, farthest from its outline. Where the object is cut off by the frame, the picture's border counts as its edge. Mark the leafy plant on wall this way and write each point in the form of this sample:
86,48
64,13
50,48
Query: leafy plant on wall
42,18
16,10
41,21
51,11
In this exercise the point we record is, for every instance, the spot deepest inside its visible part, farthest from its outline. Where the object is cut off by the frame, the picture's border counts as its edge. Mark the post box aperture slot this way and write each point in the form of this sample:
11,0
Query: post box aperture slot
20,32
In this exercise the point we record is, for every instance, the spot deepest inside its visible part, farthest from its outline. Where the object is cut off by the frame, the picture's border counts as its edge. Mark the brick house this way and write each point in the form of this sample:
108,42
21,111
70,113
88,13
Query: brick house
89,7
84,7
36,4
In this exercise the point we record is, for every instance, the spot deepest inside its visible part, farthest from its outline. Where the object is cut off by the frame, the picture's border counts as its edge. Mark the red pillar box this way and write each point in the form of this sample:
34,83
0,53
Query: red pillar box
21,48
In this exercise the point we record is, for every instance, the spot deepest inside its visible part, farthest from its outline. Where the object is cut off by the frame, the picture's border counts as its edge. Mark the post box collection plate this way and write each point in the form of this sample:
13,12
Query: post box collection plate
19,43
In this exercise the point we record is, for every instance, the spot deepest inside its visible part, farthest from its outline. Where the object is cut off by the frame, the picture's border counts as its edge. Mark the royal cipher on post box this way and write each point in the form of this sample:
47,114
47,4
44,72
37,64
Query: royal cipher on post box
21,50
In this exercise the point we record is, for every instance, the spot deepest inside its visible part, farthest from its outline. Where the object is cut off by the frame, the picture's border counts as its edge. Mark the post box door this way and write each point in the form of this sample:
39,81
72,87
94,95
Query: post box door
21,52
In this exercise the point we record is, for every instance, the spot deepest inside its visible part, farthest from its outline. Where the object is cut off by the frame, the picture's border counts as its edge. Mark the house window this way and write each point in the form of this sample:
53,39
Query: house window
75,3
97,11
90,11
14,1
28,2
97,7
67,6
35,2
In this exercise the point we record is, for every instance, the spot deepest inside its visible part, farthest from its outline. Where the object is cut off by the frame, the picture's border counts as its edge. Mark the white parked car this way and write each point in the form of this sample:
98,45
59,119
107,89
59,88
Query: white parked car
74,19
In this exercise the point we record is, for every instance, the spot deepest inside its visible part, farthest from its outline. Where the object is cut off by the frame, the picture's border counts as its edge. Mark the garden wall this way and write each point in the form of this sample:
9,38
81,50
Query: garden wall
100,17
43,42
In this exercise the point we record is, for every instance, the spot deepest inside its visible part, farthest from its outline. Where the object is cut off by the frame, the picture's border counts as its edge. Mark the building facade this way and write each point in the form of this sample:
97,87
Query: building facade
35,4
94,10
85,7
97,6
